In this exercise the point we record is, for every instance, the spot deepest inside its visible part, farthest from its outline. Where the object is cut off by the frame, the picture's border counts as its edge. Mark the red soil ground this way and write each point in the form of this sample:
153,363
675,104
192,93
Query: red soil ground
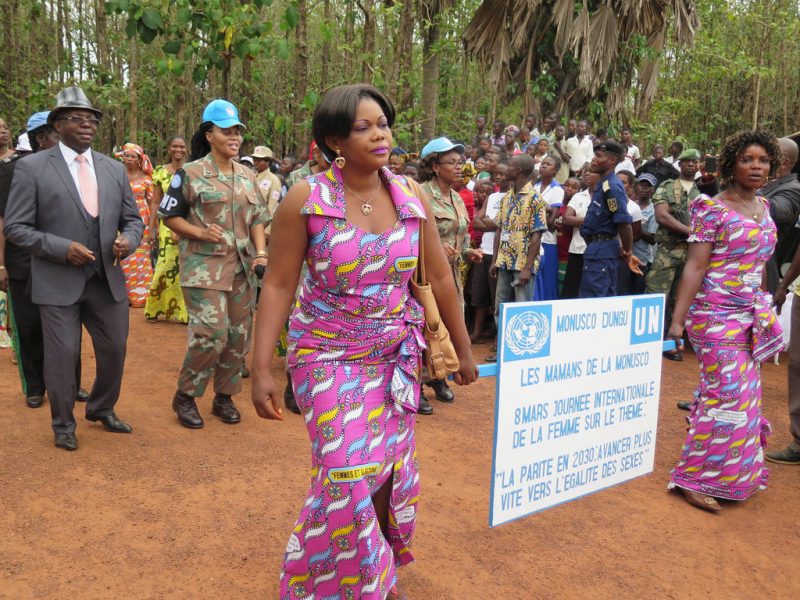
172,513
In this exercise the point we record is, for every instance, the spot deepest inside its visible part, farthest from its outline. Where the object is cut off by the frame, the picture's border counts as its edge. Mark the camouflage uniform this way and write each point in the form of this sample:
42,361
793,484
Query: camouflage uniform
672,247
270,187
217,279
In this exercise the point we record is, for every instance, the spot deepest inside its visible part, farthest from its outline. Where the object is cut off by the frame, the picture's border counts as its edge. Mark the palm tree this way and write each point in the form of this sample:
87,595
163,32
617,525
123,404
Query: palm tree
575,54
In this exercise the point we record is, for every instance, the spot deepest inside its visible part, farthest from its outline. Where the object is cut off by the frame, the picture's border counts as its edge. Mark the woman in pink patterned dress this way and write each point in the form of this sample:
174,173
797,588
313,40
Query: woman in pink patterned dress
355,342
731,326
138,267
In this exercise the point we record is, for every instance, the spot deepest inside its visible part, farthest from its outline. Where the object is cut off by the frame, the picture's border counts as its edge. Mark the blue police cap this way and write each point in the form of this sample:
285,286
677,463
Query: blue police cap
222,114
439,145
37,120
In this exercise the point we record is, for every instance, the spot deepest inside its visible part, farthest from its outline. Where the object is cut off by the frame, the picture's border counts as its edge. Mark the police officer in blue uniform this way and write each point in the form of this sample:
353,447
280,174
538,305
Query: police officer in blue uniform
607,223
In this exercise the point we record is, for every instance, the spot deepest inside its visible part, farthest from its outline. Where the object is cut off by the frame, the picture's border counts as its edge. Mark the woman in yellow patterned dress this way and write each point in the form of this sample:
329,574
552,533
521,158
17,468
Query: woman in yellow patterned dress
166,299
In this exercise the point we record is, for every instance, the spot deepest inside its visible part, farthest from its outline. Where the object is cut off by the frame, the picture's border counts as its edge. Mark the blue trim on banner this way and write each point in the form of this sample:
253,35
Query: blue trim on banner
490,369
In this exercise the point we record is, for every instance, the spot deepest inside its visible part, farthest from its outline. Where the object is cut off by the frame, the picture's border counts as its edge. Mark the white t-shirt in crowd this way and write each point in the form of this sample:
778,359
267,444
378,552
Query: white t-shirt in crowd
492,207
625,164
632,152
580,204
580,152
634,211
553,194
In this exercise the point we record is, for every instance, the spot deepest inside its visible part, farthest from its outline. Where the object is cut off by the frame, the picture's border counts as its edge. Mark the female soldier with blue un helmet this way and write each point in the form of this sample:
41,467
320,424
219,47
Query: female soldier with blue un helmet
214,204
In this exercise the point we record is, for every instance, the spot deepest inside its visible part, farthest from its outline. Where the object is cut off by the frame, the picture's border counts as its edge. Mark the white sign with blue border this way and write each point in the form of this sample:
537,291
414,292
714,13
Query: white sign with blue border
578,387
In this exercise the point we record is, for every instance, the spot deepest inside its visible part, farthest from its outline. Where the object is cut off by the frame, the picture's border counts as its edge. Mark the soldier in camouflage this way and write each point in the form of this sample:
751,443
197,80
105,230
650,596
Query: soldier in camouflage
215,205
671,202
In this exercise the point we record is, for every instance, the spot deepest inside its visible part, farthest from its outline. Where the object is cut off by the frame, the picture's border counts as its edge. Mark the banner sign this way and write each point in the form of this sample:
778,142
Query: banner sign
577,399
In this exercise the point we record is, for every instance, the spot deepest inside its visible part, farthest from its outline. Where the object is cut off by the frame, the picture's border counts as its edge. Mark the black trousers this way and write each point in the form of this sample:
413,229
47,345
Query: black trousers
28,324
572,279
29,332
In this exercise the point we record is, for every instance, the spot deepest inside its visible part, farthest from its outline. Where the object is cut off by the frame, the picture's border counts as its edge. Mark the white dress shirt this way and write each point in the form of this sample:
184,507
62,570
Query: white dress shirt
580,152
552,194
580,204
69,156
492,208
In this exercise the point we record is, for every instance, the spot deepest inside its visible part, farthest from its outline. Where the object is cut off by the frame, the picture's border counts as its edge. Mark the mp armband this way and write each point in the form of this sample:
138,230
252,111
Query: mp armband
174,204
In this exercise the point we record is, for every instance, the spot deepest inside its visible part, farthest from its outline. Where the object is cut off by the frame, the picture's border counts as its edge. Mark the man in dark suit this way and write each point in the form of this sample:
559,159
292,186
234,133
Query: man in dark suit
73,209
783,194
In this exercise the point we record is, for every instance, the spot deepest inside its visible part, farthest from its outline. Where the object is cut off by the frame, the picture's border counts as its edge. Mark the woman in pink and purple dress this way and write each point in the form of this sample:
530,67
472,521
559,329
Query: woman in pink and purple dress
731,326
355,343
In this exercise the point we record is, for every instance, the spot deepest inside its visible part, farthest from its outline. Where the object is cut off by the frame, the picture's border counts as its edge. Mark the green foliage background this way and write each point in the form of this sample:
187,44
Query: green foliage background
151,65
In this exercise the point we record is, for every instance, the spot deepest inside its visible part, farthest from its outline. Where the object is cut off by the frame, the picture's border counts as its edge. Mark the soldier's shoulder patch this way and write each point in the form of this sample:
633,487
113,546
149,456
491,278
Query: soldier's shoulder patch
606,186
612,204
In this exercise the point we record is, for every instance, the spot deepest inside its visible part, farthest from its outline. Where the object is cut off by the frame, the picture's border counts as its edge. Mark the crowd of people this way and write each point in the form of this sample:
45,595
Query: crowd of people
517,213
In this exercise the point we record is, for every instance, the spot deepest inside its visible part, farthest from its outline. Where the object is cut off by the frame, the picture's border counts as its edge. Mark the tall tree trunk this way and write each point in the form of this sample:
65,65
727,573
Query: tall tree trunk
430,78
133,83
299,131
349,36
326,45
368,39
404,57
757,92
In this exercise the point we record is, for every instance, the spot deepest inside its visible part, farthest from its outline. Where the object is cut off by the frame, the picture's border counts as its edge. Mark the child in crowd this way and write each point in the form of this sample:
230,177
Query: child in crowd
484,286
563,232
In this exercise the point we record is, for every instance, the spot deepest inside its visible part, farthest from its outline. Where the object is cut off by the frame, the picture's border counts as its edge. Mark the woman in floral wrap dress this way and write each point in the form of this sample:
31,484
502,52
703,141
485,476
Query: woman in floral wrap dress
731,326
354,356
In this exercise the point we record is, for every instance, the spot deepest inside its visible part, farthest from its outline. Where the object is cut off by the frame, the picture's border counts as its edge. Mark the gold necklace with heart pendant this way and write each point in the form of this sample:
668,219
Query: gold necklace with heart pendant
366,205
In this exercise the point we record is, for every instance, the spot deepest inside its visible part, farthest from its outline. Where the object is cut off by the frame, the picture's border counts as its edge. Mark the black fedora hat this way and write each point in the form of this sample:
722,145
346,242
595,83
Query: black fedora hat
71,97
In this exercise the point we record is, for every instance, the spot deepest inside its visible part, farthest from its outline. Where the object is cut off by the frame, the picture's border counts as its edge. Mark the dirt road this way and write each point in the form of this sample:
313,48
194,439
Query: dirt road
172,513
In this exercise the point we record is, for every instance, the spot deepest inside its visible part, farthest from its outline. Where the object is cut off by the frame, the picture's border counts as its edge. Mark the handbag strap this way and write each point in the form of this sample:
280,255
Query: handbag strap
420,278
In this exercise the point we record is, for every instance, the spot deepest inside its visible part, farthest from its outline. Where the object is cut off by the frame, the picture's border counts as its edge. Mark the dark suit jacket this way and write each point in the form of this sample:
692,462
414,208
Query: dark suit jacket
45,214
784,207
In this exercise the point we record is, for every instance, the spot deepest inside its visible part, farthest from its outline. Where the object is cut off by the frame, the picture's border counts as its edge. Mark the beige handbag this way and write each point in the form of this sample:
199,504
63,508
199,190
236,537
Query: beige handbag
440,355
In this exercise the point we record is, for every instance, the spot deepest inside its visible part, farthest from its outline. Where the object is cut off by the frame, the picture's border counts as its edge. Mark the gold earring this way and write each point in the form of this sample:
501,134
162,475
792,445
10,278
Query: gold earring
339,160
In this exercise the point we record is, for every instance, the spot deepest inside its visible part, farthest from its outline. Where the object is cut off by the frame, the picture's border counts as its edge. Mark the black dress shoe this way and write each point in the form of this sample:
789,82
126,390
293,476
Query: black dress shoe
424,407
685,405
224,408
673,355
112,423
186,409
82,396
67,441
288,399
34,401
442,391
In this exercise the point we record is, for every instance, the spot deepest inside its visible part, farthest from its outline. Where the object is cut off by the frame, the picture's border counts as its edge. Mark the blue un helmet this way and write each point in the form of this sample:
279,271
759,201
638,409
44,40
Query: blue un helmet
222,114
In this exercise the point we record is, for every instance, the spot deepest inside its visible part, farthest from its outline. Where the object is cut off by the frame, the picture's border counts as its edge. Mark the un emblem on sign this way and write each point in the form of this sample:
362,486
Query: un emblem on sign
527,333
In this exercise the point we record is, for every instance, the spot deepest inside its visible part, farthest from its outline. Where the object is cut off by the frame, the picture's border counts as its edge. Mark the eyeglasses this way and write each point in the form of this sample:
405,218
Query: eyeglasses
452,163
77,120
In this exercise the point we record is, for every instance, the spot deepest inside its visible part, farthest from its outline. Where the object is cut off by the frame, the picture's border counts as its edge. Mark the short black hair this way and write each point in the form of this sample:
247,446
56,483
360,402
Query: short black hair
336,112
555,159
524,162
628,175
739,142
